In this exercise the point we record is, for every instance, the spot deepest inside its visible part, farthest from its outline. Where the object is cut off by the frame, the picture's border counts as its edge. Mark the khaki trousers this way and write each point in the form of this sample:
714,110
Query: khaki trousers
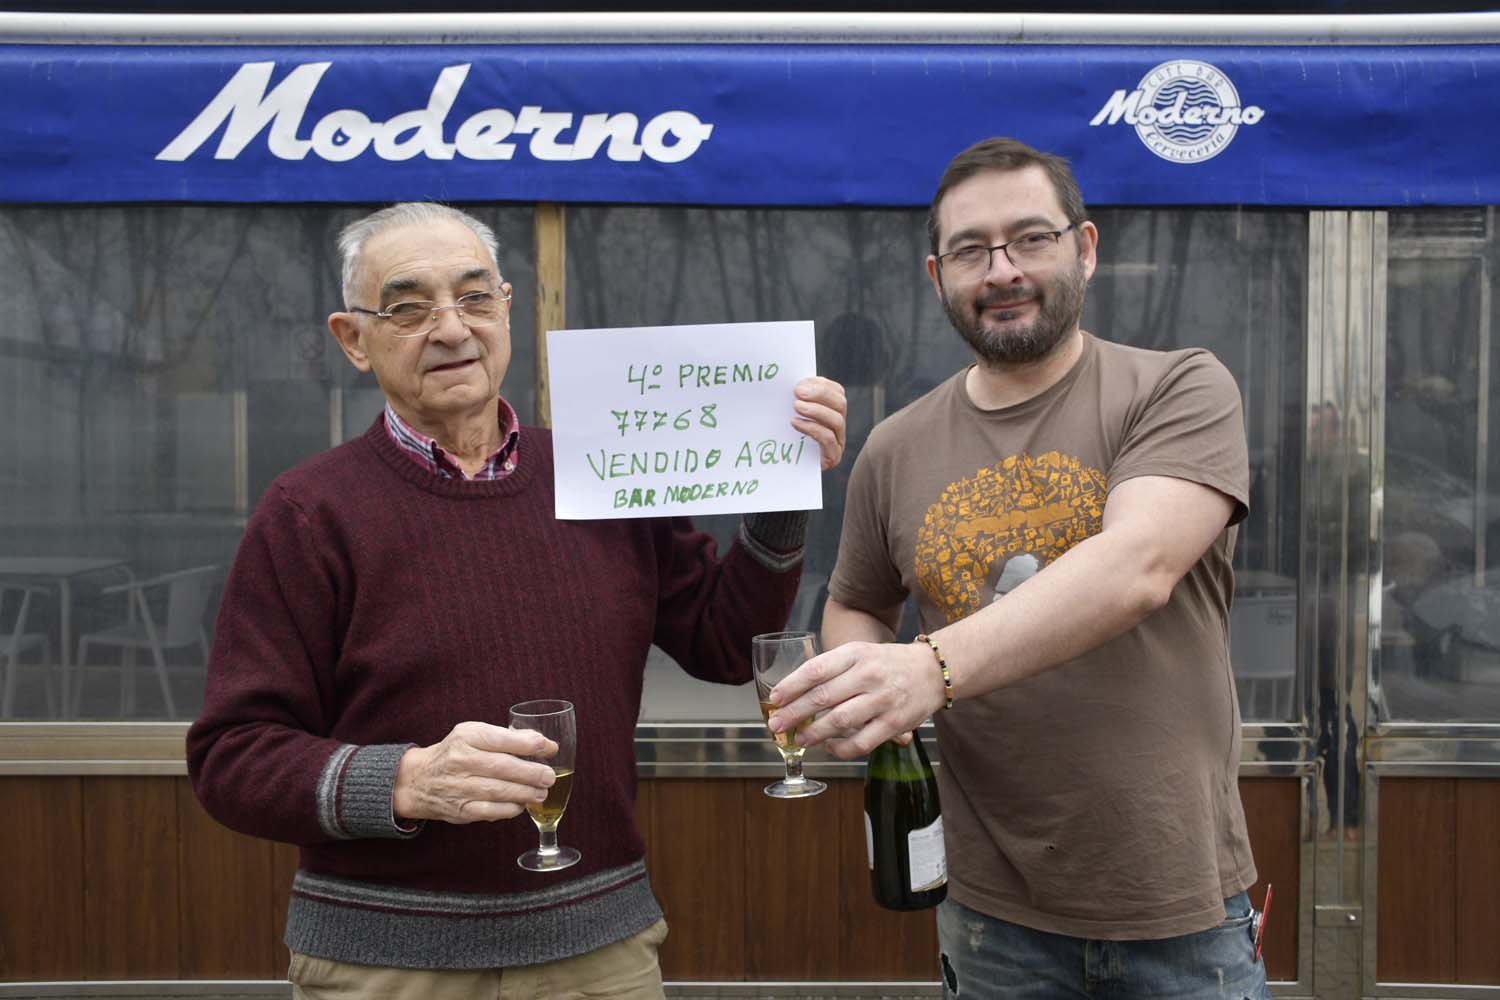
627,970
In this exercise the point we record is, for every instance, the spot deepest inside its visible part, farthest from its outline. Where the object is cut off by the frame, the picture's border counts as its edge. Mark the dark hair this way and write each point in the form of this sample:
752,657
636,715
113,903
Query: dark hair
1005,155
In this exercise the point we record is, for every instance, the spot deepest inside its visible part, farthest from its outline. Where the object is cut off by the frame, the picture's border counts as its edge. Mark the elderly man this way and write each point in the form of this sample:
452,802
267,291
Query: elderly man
1069,546
394,596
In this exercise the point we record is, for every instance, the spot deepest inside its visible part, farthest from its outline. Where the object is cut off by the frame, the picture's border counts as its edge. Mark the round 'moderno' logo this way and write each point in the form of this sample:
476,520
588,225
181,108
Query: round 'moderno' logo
1197,111
1184,110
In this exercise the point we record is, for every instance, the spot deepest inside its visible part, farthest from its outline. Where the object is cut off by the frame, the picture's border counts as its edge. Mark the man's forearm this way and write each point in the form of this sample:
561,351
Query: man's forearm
1154,530
842,623
1078,603
1092,594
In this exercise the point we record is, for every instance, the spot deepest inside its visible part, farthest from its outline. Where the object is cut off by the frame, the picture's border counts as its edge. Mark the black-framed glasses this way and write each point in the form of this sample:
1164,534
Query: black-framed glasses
1027,250
418,317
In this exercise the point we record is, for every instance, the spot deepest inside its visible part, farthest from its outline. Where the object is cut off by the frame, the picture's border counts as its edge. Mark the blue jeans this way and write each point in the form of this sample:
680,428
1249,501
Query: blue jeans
984,957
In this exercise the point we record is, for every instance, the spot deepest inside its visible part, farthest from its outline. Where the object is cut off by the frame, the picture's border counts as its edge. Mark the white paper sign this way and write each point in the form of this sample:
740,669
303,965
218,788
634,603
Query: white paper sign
664,421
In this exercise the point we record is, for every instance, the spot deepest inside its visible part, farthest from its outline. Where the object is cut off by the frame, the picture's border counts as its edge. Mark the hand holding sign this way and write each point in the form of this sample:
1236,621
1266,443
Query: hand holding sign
663,421
821,408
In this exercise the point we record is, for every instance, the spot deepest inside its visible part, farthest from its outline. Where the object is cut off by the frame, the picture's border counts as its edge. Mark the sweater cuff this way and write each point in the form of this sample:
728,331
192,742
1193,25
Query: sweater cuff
775,539
356,793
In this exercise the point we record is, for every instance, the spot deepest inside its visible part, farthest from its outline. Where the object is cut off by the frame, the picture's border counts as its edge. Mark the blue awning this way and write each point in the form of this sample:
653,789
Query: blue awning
1378,125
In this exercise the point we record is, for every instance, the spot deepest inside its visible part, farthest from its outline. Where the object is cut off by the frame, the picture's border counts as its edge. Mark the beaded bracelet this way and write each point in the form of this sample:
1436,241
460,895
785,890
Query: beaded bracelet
943,666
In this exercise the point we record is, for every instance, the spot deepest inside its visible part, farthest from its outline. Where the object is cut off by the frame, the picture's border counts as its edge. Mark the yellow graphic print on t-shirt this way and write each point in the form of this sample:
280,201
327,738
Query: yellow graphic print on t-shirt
1039,506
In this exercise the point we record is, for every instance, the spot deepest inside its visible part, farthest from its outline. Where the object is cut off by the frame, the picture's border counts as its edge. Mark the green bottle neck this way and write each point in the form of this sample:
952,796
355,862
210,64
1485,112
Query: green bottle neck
893,762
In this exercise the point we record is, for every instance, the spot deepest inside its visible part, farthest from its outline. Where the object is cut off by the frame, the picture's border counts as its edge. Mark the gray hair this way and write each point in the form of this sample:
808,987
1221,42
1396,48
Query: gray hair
408,213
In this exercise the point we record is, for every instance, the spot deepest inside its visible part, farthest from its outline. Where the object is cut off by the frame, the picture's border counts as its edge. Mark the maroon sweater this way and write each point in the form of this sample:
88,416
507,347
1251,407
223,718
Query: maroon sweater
373,606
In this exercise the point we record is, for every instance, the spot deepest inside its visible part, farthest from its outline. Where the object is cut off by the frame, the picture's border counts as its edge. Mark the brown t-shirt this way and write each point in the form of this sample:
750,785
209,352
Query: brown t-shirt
1098,799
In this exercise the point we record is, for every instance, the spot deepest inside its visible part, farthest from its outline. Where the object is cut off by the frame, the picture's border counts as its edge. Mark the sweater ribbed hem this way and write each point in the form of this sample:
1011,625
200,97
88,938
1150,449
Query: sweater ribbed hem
775,539
371,924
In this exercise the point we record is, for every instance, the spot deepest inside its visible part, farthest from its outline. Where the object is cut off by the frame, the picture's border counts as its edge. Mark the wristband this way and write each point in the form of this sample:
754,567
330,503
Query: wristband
943,666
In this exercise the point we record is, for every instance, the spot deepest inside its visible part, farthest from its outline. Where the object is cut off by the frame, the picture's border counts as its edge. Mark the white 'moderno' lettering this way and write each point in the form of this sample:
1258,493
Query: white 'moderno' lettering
247,108
1120,105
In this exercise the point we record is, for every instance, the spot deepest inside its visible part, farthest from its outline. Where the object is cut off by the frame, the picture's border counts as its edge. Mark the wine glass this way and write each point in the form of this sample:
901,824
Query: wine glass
554,720
774,655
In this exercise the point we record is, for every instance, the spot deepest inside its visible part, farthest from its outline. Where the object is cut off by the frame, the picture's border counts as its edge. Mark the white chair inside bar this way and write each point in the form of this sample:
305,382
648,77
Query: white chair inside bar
187,594
1263,649
16,604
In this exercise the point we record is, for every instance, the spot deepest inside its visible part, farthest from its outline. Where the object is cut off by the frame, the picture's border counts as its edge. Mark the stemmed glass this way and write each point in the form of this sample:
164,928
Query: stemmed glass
774,655
554,720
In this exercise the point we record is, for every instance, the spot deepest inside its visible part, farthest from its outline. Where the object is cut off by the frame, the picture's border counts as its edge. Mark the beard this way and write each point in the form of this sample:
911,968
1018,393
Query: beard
1059,314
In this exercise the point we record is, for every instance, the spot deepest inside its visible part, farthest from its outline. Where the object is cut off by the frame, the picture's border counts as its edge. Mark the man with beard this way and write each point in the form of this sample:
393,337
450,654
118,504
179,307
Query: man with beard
1064,512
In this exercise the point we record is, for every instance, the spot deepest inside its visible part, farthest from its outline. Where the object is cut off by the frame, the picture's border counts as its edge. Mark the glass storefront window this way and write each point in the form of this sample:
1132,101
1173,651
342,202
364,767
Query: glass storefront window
162,365
1232,281
1235,282
1440,598
167,362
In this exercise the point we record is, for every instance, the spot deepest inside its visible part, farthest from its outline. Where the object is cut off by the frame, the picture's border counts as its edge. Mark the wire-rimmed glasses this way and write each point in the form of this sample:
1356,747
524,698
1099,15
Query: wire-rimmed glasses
1027,250
417,317
774,655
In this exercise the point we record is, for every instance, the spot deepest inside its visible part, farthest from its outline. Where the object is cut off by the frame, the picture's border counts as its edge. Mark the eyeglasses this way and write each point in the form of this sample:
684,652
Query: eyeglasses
1030,250
418,317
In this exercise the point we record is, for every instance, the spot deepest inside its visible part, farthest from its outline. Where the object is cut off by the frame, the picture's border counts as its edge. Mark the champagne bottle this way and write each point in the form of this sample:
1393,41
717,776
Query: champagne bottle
904,828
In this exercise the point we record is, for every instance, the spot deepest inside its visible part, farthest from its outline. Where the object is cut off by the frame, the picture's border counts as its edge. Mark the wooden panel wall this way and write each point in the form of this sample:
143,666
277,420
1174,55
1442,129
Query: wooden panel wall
41,869
1271,808
128,878
763,889
1438,880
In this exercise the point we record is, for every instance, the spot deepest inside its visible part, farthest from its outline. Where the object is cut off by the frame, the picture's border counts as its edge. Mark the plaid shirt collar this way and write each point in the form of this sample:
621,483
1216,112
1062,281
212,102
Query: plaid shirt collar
436,459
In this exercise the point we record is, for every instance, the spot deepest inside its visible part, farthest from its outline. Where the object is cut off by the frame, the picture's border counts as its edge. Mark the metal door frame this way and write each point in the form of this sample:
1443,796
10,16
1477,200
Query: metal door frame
1347,334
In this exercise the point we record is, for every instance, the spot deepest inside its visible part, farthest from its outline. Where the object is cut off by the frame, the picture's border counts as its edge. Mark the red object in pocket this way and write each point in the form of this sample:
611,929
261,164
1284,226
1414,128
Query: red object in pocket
1260,921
